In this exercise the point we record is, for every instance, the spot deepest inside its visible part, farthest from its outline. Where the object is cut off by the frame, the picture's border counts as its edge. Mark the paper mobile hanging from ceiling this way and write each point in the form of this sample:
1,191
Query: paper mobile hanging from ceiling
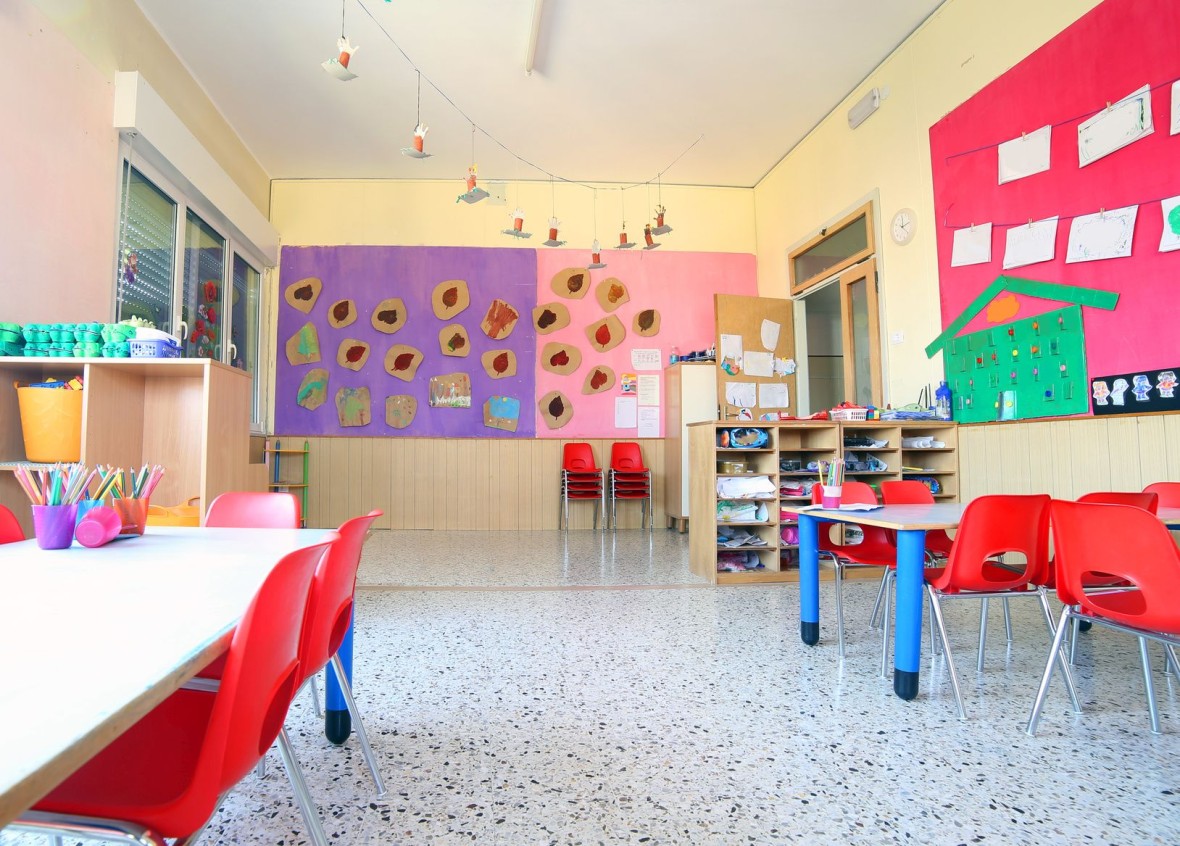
554,223
660,228
517,230
338,65
624,242
650,243
473,193
420,130
596,261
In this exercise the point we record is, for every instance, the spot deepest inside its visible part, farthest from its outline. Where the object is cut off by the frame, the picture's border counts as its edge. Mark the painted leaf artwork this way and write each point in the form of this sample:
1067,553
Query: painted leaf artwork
304,346
400,410
500,320
341,314
646,323
302,294
556,409
352,407
450,298
606,334
571,283
451,390
501,413
611,293
389,315
313,390
550,317
559,358
453,340
499,364
352,354
402,361
600,378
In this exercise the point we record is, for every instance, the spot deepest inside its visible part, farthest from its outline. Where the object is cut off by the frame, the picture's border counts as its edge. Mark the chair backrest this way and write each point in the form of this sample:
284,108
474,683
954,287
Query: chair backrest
850,492
1169,493
1147,500
329,606
991,526
260,678
626,457
254,510
10,530
906,492
578,458
1126,542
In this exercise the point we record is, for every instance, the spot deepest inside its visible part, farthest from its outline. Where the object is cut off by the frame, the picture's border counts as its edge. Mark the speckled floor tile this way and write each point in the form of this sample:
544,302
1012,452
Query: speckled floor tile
694,715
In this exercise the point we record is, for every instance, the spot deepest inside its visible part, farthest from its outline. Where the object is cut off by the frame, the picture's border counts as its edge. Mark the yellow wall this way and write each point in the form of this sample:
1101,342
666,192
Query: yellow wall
960,49
417,213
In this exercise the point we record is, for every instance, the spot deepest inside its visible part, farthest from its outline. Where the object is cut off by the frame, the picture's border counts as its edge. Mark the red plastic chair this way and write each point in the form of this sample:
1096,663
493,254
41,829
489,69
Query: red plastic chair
10,529
875,550
630,479
329,615
910,492
1134,546
254,510
993,527
581,479
1168,492
167,773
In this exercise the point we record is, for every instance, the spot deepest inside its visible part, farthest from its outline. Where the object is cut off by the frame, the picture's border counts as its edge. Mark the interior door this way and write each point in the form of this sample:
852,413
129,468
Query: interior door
861,325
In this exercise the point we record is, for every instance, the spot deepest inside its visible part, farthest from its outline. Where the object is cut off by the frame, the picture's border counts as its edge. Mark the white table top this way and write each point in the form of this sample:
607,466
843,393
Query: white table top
939,515
92,639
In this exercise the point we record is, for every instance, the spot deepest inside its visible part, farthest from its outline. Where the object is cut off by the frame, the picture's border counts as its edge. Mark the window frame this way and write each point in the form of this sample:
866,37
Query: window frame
798,286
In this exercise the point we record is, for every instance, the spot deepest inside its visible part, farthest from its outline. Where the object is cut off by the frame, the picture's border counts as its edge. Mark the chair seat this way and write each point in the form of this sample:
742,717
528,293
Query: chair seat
868,553
994,578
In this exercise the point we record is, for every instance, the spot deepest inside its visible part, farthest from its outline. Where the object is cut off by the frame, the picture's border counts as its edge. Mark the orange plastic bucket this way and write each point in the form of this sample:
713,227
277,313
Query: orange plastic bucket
51,421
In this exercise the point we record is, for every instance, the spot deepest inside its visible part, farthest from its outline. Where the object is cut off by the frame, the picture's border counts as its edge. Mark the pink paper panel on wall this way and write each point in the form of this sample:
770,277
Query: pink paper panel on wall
1116,48
678,286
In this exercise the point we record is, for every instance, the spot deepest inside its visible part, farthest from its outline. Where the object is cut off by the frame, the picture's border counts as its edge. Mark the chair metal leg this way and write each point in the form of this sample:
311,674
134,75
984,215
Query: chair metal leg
874,621
311,816
1145,658
840,606
359,726
315,697
1034,716
1066,671
934,642
946,649
1073,642
982,634
886,620
1170,663
53,826
1007,621
260,767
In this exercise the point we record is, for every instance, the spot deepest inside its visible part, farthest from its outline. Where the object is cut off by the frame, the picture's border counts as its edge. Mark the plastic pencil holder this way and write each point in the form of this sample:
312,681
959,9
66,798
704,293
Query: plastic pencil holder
100,525
54,525
85,506
831,496
133,514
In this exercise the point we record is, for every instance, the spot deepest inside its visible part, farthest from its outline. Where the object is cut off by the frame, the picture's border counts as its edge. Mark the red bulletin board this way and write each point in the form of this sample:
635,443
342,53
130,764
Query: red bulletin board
1116,48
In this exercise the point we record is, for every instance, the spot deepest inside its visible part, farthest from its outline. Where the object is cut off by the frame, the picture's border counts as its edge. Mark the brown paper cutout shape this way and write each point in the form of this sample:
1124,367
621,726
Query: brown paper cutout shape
303,294
341,314
600,378
560,358
611,293
497,411
402,361
549,317
500,320
389,315
450,298
453,340
352,407
646,322
450,390
556,409
304,346
352,354
571,283
499,364
606,334
400,410
313,390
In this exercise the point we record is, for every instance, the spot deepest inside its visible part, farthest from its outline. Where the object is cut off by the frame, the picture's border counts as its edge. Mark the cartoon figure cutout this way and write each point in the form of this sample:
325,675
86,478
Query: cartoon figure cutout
1117,391
1166,383
1101,392
1141,387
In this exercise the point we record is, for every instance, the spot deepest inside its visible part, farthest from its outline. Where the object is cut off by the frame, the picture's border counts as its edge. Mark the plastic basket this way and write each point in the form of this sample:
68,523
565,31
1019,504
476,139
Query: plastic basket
849,413
153,349
51,420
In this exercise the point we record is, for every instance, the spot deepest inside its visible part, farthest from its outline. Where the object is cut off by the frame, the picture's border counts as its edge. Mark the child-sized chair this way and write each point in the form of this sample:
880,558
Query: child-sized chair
630,479
581,479
10,530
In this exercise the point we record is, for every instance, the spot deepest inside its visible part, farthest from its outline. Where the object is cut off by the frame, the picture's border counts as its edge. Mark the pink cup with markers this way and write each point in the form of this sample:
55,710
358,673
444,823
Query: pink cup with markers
831,496
100,526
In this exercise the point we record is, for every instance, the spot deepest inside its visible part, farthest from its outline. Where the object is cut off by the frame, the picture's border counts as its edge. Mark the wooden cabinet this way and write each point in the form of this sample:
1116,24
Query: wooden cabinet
876,449
690,396
289,470
190,415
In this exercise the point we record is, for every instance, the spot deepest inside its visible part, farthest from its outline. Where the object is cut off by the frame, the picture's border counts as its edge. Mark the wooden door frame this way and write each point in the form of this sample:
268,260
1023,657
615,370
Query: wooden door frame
866,270
798,286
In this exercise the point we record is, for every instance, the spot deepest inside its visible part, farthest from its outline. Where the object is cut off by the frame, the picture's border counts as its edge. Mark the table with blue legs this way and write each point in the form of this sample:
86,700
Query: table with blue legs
911,522
337,721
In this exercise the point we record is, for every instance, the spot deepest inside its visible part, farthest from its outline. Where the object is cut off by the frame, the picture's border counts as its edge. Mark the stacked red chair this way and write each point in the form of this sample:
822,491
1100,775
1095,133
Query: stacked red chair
581,480
630,479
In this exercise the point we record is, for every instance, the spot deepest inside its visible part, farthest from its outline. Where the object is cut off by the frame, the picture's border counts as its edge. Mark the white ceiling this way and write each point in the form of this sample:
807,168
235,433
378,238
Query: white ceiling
620,89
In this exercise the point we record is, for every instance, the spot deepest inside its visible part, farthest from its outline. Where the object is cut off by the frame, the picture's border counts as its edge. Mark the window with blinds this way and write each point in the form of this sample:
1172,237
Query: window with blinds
147,252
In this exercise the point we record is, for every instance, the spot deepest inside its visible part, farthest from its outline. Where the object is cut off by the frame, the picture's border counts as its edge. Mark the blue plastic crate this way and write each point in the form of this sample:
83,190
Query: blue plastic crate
153,349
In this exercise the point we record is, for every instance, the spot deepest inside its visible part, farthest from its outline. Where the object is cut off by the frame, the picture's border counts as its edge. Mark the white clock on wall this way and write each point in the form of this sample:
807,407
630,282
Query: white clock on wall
903,225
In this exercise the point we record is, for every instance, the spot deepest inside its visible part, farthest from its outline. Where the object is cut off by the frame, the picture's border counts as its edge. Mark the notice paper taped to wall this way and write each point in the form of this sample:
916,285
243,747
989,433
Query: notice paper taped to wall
1025,155
972,246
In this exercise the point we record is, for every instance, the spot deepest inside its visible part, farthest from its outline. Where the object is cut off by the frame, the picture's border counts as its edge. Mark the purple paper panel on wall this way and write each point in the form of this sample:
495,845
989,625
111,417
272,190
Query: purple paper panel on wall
364,319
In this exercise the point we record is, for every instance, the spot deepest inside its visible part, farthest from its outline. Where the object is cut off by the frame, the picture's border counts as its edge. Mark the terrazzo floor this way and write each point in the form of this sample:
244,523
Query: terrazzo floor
600,694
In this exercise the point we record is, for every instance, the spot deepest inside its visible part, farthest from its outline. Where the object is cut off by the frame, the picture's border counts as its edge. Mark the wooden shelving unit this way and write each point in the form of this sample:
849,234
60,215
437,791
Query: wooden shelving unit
792,446
191,415
281,476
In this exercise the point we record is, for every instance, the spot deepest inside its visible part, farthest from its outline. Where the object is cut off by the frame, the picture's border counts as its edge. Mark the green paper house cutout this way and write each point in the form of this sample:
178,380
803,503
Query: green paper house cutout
1033,367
